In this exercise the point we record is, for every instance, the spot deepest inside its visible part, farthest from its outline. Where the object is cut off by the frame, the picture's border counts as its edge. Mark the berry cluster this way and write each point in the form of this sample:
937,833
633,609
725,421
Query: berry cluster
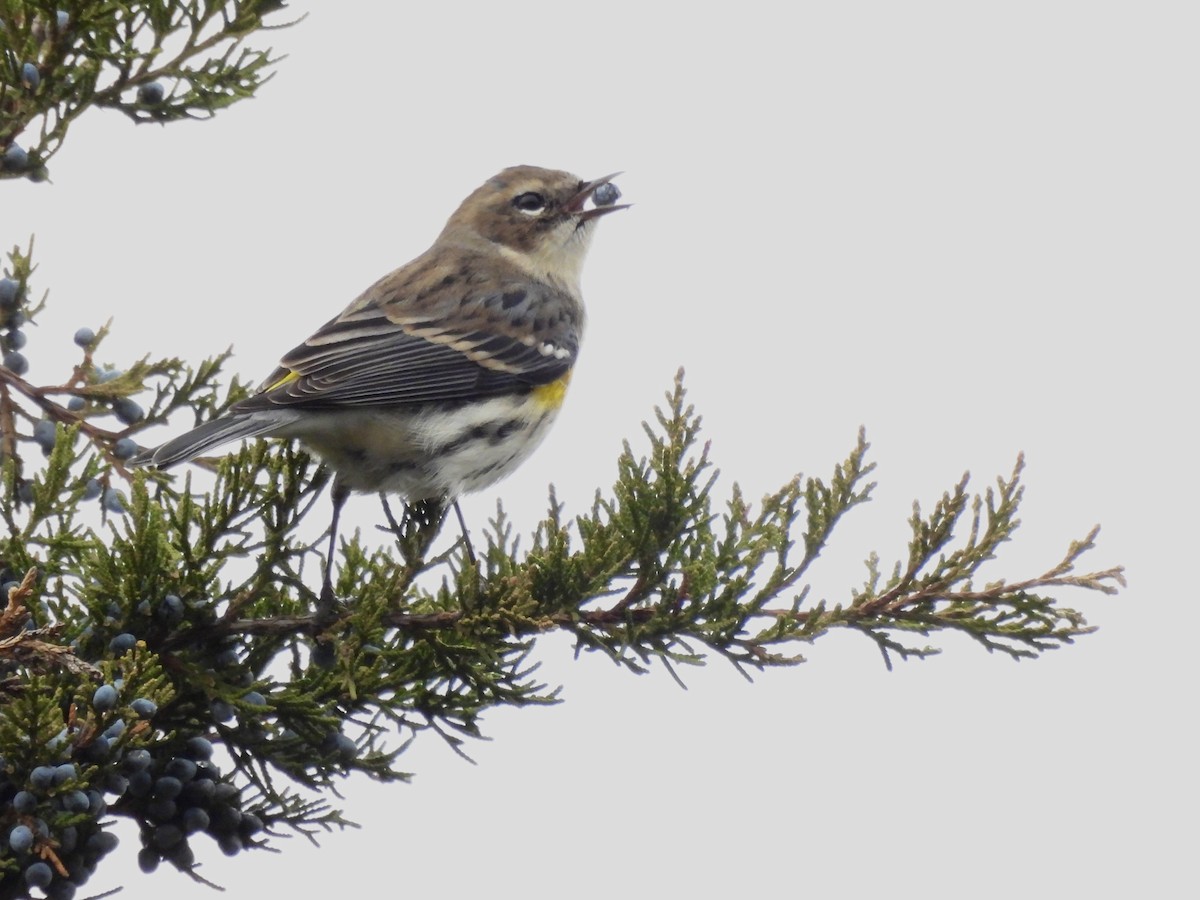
11,320
16,159
52,814
46,432
51,834
115,631
52,830
183,795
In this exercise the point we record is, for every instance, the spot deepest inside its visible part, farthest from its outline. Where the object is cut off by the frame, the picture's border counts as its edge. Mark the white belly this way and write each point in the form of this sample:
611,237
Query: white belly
429,453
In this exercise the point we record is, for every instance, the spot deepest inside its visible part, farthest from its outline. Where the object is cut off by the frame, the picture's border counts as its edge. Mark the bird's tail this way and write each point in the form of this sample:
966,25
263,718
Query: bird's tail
205,437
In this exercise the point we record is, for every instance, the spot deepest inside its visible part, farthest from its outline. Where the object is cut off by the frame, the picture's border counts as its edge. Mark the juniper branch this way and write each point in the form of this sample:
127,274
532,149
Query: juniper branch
198,596
105,55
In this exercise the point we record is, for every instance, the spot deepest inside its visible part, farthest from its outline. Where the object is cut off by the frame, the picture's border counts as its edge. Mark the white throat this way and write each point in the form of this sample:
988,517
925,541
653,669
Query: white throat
557,262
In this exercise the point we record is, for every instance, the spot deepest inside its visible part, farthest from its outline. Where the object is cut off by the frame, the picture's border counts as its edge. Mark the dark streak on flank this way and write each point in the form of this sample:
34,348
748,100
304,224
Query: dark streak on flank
505,429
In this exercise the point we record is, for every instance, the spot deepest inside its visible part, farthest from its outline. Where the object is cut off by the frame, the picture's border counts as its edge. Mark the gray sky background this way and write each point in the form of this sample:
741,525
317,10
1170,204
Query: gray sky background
969,227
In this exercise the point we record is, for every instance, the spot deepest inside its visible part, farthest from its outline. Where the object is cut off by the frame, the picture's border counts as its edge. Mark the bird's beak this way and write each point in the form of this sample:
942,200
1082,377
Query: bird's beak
575,204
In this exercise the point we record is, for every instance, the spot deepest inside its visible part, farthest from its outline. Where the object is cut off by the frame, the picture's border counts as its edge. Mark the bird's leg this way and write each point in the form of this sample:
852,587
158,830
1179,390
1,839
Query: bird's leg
462,523
327,602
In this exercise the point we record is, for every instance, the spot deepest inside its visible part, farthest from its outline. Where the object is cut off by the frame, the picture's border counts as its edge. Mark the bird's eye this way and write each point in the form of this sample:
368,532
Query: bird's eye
530,203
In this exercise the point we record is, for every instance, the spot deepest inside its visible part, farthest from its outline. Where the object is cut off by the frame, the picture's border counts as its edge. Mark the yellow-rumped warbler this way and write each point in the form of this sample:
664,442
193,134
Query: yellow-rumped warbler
442,377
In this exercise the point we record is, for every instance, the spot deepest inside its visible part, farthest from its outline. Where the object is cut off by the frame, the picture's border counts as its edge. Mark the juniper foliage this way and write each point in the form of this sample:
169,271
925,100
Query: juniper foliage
154,61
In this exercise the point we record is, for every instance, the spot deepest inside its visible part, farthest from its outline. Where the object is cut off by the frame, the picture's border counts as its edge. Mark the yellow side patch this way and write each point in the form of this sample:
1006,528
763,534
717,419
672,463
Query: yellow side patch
550,396
286,379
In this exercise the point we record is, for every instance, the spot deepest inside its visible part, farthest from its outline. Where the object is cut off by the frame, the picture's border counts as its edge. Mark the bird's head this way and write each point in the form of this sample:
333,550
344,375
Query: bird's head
540,219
